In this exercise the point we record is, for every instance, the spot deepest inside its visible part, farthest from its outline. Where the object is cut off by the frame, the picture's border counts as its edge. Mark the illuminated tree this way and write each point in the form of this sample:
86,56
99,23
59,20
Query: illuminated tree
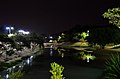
61,37
113,15
84,35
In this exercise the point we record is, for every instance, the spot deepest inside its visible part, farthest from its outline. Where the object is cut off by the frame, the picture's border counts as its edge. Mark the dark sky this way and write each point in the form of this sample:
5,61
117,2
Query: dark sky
54,16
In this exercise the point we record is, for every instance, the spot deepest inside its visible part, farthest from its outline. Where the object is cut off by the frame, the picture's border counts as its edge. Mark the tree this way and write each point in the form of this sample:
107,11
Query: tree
77,36
113,15
61,37
5,38
23,39
84,35
104,35
37,39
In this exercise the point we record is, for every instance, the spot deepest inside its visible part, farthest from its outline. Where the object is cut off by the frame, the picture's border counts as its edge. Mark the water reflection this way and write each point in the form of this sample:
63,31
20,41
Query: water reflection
51,52
7,76
82,54
62,55
86,55
61,52
57,52
28,62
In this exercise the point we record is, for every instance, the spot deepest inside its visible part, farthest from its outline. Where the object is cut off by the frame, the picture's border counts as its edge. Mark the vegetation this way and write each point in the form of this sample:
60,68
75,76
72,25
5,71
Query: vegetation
61,37
112,65
77,36
19,38
84,35
87,56
16,75
1,77
5,38
4,65
56,71
104,35
113,15
36,38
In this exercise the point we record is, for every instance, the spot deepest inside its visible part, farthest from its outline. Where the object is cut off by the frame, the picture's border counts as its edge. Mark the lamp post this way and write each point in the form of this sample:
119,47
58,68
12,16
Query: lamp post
9,29
88,32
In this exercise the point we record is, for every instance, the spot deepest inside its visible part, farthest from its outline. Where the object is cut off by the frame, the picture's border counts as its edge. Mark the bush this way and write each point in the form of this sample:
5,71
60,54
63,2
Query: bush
112,65
4,65
10,52
16,75
1,77
56,71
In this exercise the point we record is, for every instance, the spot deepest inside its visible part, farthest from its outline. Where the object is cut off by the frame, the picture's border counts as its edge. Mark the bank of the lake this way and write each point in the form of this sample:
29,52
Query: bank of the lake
14,61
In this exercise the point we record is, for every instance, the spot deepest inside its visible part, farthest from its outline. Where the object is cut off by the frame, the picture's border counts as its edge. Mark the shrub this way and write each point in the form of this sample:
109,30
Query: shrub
16,75
1,77
112,65
10,52
56,71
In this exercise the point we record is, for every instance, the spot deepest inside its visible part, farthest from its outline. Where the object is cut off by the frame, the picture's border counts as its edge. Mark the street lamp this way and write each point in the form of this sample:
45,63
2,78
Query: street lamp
9,29
88,32
51,37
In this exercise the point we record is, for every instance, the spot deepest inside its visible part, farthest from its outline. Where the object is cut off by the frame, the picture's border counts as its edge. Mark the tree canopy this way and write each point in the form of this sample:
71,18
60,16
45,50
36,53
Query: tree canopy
113,15
104,35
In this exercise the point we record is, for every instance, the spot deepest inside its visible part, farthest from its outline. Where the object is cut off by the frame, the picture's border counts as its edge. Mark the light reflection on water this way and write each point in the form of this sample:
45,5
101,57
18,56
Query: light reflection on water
51,52
6,73
58,53
83,54
62,53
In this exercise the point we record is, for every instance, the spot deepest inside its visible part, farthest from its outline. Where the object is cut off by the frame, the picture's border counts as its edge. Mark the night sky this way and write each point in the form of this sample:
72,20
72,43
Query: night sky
54,16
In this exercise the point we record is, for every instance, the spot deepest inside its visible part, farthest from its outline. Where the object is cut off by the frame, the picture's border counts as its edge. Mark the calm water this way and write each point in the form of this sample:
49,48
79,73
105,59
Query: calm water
41,65
37,67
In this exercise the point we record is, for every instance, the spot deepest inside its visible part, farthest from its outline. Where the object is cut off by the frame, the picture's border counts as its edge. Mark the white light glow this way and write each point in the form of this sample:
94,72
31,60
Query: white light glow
88,59
31,57
10,35
28,61
51,41
7,76
51,37
7,28
62,55
21,31
14,67
24,32
12,28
